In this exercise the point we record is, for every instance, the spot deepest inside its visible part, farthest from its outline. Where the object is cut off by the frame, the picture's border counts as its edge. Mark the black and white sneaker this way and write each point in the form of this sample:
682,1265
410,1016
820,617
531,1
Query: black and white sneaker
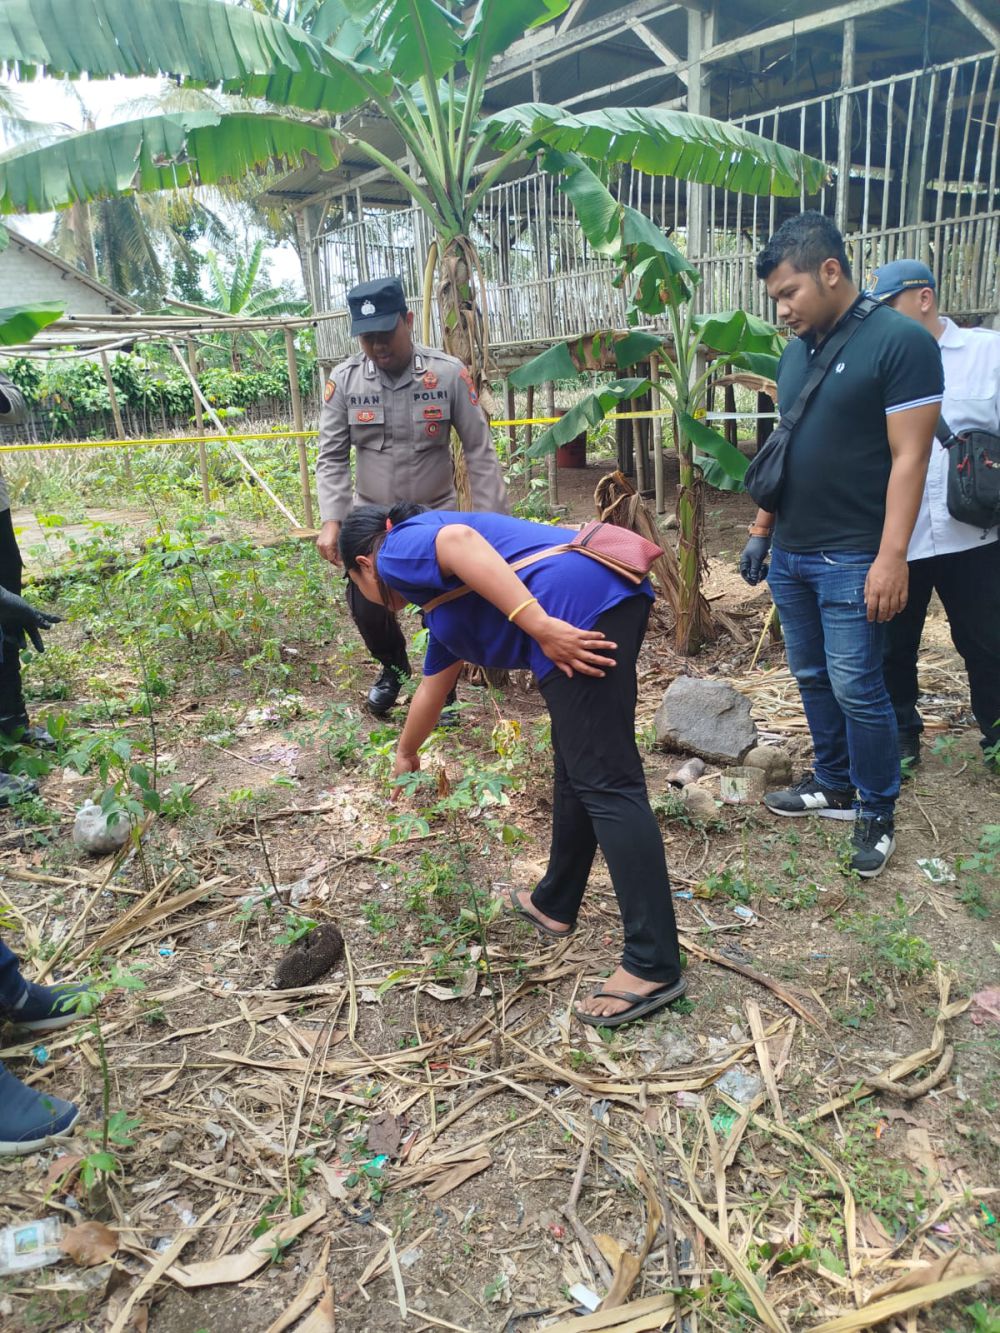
873,844
807,797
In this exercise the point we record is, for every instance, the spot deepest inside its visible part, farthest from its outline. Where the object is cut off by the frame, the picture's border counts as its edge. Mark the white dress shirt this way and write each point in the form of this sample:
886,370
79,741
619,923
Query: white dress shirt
971,359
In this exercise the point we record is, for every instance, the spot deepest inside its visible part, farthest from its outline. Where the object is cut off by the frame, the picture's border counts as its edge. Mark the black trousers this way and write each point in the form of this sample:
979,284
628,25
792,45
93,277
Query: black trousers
968,583
599,800
379,629
12,710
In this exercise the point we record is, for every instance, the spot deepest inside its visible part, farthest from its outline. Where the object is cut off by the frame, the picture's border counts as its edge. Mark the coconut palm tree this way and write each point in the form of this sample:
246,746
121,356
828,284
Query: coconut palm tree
308,64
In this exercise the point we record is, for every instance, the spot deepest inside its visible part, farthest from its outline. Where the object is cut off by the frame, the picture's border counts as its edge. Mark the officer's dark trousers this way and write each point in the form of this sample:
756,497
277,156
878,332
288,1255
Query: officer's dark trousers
380,630
968,583
12,710
600,800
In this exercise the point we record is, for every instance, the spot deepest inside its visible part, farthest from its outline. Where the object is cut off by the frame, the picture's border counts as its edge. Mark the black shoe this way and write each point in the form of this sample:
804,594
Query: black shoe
909,752
450,716
17,728
807,797
873,844
13,788
383,694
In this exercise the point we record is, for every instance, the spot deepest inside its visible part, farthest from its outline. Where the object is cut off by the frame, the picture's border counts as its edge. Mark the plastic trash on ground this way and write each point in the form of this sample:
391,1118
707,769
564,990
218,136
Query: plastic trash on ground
30,1245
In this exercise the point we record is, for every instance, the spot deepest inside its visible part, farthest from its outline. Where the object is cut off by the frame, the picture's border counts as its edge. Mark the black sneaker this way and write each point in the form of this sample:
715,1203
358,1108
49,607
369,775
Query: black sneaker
909,752
873,844
807,797
384,693
450,717
13,787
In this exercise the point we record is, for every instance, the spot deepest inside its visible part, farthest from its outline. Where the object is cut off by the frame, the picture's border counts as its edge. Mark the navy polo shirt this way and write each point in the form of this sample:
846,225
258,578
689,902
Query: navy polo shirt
572,587
838,463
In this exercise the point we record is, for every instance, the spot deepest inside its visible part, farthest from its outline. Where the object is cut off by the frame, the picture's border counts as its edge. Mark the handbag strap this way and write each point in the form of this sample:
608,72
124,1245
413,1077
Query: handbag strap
945,434
824,359
523,563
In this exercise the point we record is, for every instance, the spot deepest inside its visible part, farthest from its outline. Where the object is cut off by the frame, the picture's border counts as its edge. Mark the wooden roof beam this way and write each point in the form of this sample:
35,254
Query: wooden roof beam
674,63
778,32
989,30
531,53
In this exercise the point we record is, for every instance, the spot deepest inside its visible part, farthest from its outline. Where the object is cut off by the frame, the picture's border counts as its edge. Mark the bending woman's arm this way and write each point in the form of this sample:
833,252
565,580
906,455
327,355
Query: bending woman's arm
464,554
421,717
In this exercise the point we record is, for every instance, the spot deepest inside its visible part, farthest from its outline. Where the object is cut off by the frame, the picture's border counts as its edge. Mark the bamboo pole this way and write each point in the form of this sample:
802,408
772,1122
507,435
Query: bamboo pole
553,471
199,419
238,454
529,431
117,414
654,377
299,422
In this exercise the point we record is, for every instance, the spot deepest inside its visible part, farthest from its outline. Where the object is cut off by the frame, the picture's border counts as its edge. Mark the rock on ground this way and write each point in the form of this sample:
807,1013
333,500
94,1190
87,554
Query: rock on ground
776,764
707,718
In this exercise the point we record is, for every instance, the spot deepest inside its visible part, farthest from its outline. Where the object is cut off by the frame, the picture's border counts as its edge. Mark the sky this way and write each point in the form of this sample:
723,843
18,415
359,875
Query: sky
50,102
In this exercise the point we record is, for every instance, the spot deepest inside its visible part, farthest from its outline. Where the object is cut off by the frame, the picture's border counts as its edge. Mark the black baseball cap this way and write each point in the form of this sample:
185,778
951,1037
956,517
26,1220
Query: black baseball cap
376,306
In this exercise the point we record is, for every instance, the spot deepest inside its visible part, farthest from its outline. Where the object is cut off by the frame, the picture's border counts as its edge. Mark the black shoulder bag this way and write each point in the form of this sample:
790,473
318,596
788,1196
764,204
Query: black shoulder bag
973,475
765,476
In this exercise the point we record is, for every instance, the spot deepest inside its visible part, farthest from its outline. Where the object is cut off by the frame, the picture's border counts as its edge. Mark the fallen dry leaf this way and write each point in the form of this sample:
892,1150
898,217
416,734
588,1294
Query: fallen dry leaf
384,1134
237,1267
89,1244
63,1170
986,1006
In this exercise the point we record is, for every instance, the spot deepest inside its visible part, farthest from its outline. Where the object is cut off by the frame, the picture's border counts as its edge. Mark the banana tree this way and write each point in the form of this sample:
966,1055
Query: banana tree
660,284
421,64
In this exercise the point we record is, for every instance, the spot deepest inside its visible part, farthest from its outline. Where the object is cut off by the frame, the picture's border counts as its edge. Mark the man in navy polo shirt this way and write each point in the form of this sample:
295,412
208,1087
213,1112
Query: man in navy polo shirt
851,490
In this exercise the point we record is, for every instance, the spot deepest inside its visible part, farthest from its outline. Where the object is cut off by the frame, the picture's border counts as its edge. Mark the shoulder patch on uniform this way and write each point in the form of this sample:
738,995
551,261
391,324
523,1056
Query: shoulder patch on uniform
329,391
430,380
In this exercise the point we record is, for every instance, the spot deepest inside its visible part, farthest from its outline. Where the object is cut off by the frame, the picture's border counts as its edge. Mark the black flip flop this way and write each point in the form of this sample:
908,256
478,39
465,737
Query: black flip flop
639,1005
539,925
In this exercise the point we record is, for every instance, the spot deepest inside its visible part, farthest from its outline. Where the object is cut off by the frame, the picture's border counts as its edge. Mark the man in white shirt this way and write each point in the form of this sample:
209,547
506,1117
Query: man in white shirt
959,562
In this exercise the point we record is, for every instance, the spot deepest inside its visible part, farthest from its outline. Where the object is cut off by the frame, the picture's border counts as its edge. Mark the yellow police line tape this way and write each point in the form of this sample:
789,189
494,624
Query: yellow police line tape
156,442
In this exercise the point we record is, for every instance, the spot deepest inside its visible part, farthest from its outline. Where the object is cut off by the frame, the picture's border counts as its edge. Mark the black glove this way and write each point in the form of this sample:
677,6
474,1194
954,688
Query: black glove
19,617
753,561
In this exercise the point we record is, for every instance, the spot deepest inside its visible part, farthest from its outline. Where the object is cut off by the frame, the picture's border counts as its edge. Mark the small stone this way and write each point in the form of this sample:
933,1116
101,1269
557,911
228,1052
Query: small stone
699,802
776,764
171,1141
706,717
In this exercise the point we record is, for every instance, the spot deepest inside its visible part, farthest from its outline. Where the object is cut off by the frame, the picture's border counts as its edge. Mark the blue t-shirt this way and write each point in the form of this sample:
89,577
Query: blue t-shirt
572,587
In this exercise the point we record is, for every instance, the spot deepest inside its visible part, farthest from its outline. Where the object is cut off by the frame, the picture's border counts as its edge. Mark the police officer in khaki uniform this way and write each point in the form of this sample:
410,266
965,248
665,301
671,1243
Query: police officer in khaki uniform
395,403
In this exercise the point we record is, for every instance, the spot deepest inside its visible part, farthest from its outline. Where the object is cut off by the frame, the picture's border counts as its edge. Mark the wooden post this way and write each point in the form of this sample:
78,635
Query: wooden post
654,376
116,413
199,422
550,411
529,432
511,430
297,417
844,129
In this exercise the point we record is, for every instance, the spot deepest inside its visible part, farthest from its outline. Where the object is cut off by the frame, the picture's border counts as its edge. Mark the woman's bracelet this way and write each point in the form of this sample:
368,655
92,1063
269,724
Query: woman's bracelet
518,609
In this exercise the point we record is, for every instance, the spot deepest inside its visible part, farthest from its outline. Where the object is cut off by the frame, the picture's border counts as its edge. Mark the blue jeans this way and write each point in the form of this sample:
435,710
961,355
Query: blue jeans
835,654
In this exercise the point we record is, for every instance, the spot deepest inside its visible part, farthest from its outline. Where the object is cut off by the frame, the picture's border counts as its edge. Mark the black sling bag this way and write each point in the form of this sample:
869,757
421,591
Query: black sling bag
973,475
765,476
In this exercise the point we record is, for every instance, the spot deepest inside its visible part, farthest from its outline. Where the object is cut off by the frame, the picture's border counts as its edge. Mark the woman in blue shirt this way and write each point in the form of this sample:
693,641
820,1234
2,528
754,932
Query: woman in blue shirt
579,626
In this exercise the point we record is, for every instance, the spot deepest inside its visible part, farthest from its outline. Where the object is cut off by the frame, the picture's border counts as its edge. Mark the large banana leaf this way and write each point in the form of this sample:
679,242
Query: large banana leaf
759,363
19,324
414,37
588,412
207,41
497,23
667,143
736,331
156,153
568,360
721,464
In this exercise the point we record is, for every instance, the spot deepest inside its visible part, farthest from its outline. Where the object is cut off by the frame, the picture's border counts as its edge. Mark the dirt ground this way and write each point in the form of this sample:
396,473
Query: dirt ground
426,1138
